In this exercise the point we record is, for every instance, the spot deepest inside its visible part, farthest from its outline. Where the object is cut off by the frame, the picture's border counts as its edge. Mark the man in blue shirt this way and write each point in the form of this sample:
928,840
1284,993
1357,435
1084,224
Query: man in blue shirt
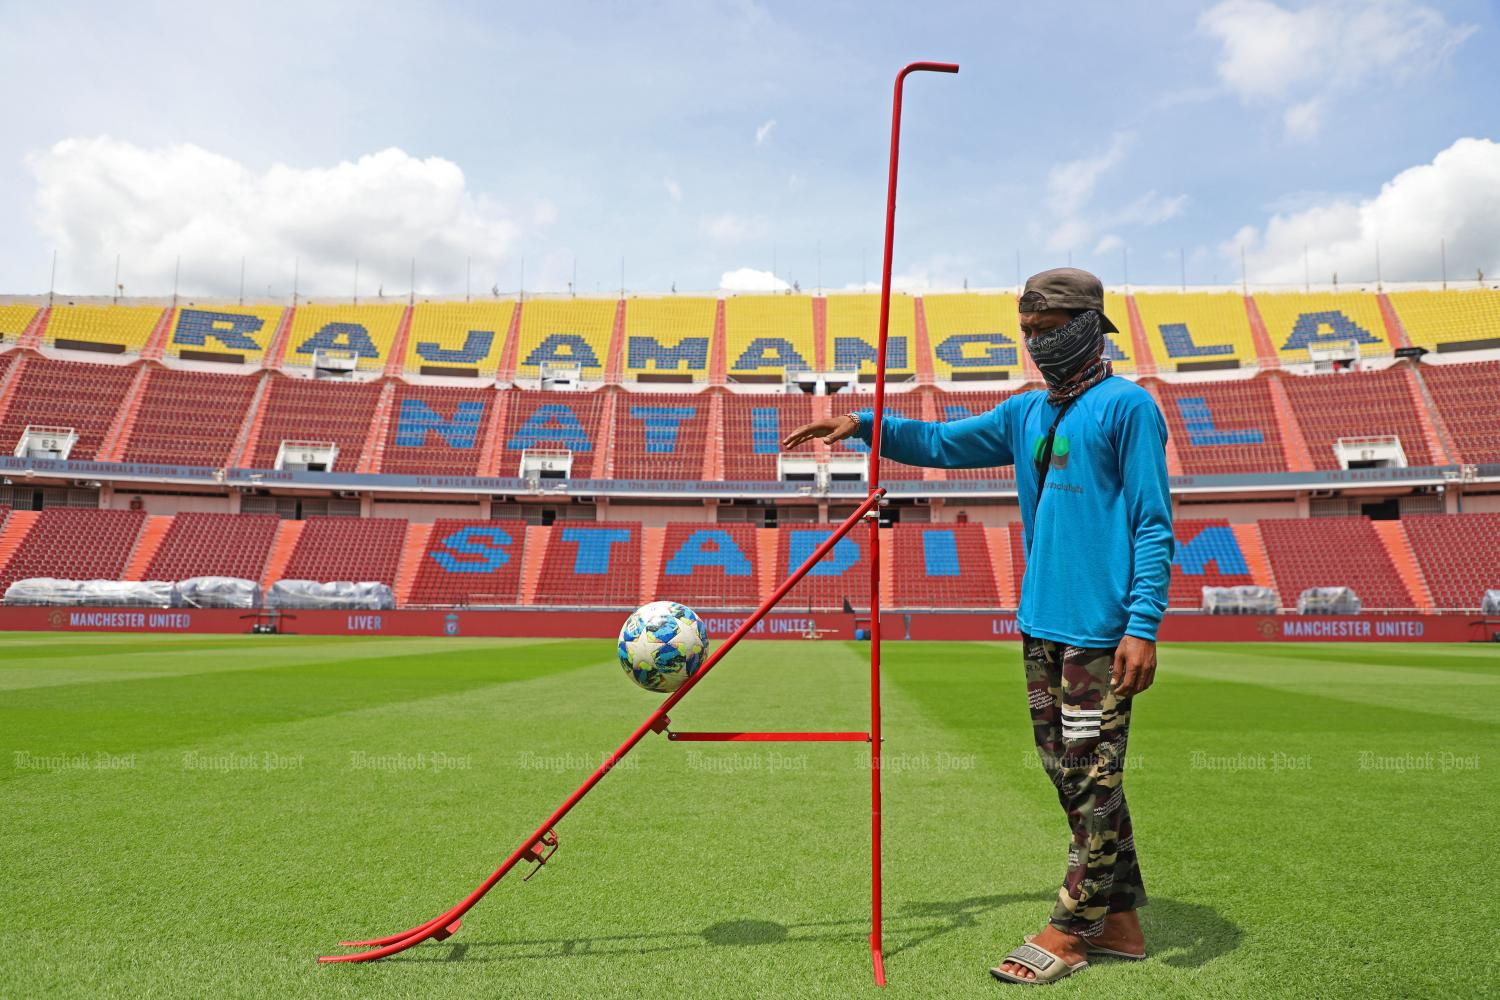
1090,458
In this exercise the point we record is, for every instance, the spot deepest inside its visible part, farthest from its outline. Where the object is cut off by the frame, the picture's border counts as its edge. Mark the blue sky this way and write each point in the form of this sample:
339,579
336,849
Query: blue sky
700,139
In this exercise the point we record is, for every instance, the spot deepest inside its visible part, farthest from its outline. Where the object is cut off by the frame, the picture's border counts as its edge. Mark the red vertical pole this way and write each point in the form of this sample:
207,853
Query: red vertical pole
876,935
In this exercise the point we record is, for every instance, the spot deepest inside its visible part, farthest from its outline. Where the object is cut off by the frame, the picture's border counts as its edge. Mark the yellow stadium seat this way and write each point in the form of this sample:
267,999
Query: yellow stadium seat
854,333
125,327
767,335
565,332
669,336
1196,329
973,335
1294,320
14,319
213,329
1433,319
462,336
1123,354
367,330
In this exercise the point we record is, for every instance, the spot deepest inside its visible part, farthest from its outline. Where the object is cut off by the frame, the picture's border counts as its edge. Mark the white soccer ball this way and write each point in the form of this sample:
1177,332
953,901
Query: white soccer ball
662,645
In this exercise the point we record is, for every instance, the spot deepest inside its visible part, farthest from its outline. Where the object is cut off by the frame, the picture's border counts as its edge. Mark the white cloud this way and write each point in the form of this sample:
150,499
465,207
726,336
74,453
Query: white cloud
764,131
731,227
99,197
1455,197
1296,59
1108,243
544,212
1071,184
748,279
674,190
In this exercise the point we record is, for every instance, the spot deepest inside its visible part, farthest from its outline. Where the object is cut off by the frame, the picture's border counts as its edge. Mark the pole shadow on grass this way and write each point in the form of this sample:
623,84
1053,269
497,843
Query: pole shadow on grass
1179,934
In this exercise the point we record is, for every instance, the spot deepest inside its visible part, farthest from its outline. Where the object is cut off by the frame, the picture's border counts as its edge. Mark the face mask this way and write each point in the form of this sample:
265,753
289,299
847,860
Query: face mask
1071,357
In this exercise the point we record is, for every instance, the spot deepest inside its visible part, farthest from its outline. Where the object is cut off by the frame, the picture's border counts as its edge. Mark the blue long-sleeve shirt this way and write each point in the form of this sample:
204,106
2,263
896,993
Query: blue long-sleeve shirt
1099,547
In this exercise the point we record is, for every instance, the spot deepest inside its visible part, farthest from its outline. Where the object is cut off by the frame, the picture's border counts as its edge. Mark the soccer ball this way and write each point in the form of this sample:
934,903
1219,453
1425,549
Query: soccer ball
662,645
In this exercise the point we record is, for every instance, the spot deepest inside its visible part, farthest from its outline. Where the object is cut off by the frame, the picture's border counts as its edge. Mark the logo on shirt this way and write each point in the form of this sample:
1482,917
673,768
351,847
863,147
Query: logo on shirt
1060,449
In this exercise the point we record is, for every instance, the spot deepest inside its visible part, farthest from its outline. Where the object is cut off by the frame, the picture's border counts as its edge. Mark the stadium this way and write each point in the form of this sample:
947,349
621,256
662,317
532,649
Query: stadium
587,454
483,514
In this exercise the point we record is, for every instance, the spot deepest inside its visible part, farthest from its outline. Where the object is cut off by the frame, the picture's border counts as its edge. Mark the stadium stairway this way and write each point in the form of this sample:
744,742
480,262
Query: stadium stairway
372,452
8,382
156,341
1395,332
1293,443
512,349
997,540
1398,547
395,362
276,352
653,544
244,441
887,564
288,533
614,359
1253,548
146,545
532,552
820,332
32,336
412,551
1145,364
1265,350
118,433
718,349
713,452
14,532
1439,441
922,342
770,575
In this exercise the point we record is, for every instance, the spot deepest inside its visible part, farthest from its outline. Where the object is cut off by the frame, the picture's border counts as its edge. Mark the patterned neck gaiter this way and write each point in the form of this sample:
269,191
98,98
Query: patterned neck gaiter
1071,357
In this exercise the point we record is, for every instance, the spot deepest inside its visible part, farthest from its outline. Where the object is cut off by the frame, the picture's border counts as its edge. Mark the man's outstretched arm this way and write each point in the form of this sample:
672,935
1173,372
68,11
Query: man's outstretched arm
972,443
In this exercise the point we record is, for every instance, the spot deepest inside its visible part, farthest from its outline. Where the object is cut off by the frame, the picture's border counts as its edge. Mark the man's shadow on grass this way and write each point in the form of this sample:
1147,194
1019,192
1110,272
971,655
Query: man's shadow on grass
1178,934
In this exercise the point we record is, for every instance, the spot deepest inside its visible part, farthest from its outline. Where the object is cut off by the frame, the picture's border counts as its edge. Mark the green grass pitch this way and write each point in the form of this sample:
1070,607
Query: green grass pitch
202,816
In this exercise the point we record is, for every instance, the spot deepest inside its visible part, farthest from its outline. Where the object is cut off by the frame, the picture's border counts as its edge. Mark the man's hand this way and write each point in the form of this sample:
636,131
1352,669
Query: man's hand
832,430
1135,666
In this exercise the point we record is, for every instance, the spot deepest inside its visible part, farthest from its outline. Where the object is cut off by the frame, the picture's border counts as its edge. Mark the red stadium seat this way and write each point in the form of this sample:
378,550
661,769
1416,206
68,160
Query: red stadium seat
1356,404
1459,555
1332,552
357,549
943,566
710,565
301,409
471,562
189,418
75,544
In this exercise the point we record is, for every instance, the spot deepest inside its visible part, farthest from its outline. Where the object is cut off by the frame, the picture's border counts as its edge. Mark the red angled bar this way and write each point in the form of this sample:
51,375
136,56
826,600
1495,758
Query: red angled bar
768,737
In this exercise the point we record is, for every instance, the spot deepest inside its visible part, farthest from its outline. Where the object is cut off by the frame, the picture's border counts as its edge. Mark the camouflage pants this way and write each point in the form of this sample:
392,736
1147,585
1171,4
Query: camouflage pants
1081,729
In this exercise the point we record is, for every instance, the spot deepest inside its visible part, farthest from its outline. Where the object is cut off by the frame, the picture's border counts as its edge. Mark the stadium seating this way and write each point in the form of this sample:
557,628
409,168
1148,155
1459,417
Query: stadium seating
1207,555
199,544
368,331
669,337
77,394
75,544
188,418
853,334
843,573
437,431
1357,404
1332,552
961,405
1295,320
1442,321
1223,427
973,336
710,565
1196,329
1459,555
1017,555
767,336
357,549
223,333
458,338
660,436
592,565
471,562
906,404
553,420
117,328
1119,347
753,428
943,566
1467,397
300,409
14,319
565,332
